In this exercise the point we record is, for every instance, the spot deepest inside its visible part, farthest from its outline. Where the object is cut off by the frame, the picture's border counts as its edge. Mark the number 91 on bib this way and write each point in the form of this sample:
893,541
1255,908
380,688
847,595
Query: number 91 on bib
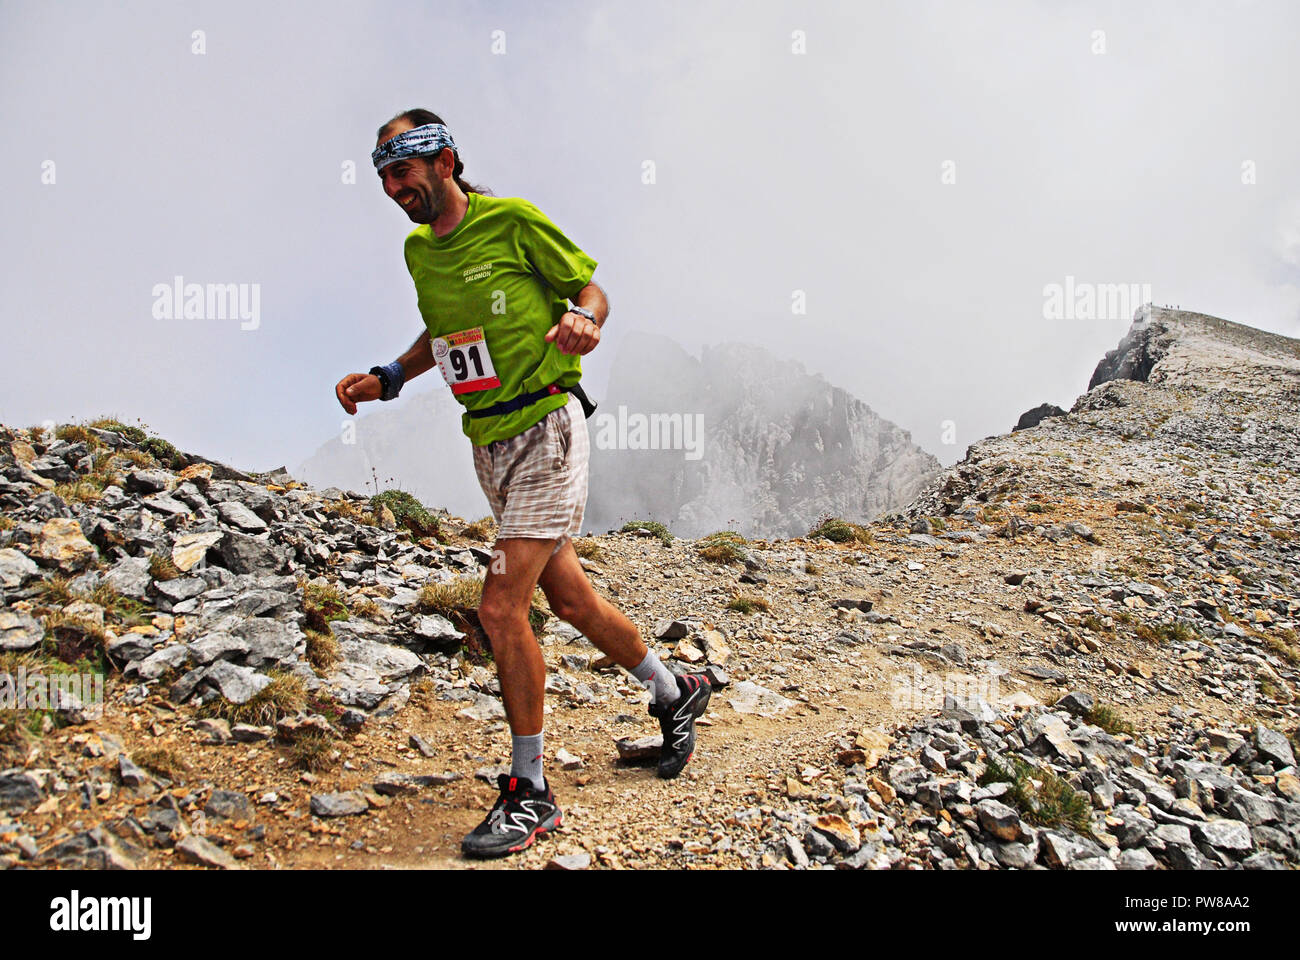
464,361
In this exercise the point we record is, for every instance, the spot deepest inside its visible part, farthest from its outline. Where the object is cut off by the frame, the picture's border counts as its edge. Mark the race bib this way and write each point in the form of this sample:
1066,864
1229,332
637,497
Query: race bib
465,362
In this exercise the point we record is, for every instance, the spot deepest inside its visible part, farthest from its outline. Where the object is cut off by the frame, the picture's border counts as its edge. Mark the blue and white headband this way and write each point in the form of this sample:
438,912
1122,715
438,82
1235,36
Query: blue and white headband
416,142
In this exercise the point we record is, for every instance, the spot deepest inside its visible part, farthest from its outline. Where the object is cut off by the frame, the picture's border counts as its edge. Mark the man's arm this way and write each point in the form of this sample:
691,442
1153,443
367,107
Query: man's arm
360,387
419,358
575,333
593,298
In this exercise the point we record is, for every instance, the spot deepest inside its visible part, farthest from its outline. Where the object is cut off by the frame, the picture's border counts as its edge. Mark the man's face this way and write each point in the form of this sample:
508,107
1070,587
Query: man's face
415,185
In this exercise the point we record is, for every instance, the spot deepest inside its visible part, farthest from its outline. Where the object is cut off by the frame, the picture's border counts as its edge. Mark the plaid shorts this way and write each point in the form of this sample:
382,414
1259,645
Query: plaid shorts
536,481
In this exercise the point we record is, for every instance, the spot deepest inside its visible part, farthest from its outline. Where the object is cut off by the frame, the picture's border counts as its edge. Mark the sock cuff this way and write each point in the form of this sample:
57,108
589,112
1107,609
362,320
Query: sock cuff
646,668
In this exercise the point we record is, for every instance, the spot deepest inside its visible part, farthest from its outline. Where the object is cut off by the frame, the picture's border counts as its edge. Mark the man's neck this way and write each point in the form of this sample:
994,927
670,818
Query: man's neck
453,214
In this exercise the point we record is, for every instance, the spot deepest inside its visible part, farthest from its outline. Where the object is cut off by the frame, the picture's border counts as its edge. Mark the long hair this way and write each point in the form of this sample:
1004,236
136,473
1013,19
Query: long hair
418,117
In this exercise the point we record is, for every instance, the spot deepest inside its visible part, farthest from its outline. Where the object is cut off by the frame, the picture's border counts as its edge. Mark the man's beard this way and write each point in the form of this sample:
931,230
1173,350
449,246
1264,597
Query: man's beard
428,206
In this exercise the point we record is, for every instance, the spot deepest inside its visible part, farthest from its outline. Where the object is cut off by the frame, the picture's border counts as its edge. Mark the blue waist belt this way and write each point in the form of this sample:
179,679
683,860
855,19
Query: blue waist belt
527,399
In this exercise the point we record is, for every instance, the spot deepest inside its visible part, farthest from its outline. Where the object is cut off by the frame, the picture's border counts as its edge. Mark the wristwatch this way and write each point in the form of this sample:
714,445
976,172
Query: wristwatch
583,312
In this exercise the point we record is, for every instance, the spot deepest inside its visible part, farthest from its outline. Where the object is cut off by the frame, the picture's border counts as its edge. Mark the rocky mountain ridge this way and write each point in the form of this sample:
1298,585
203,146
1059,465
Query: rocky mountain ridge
1075,649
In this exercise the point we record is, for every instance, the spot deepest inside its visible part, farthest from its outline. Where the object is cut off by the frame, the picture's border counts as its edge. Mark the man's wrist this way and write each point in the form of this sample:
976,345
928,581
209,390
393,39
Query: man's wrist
584,312
391,378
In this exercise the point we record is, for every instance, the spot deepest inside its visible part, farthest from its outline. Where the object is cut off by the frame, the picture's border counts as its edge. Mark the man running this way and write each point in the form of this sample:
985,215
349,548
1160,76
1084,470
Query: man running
493,276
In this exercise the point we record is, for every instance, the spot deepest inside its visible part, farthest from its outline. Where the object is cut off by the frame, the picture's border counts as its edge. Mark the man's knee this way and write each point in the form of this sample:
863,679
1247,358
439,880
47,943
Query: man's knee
572,604
501,619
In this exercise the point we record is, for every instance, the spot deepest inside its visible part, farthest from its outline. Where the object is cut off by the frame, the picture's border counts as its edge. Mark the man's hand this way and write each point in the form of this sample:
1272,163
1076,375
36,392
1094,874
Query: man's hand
574,334
357,388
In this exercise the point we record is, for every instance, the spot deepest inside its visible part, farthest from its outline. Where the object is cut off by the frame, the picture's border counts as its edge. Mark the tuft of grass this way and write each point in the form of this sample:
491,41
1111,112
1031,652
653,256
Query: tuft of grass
54,590
284,696
459,600
408,511
446,598
1035,506
1285,644
587,548
162,761
1108,719
313,752
725,546
6,522
1053,802
81,490
651,526
322,651
484,529
1165,632
839,531
162,567
77,434
366,607
1095,624
748,603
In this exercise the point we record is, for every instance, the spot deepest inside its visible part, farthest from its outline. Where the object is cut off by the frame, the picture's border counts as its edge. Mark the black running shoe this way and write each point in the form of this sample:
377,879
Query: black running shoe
520,815
677,721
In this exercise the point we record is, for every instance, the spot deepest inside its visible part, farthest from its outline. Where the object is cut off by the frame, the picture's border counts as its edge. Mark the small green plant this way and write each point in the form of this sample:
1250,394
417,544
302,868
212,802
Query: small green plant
1050,803
1165,632
323,603
839,531
587,548
408,511
1109,720
748,603
650,526
725,546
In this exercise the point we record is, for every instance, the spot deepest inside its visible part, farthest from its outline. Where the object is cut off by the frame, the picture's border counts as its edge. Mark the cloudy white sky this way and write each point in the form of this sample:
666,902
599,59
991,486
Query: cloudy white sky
775,171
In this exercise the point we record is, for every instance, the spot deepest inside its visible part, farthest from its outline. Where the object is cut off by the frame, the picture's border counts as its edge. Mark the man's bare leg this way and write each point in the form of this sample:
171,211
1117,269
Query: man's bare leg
677,703
572,599
503,613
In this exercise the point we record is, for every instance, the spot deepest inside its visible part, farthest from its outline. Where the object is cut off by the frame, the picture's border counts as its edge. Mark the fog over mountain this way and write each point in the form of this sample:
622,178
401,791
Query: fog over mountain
779,447
738,438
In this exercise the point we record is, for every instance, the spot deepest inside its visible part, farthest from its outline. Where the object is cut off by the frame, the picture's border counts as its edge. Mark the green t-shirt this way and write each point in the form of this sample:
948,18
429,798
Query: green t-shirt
507,269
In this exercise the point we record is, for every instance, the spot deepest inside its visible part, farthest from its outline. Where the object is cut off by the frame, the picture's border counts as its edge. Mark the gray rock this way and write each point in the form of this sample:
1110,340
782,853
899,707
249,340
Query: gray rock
1077,702
1224,834
205,853
1273,747
237,684
228,805
170,657
130,577
19,631
130,772
217,646
16,568
268,641
238,515
19,792
998,819
1137,858
346,804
